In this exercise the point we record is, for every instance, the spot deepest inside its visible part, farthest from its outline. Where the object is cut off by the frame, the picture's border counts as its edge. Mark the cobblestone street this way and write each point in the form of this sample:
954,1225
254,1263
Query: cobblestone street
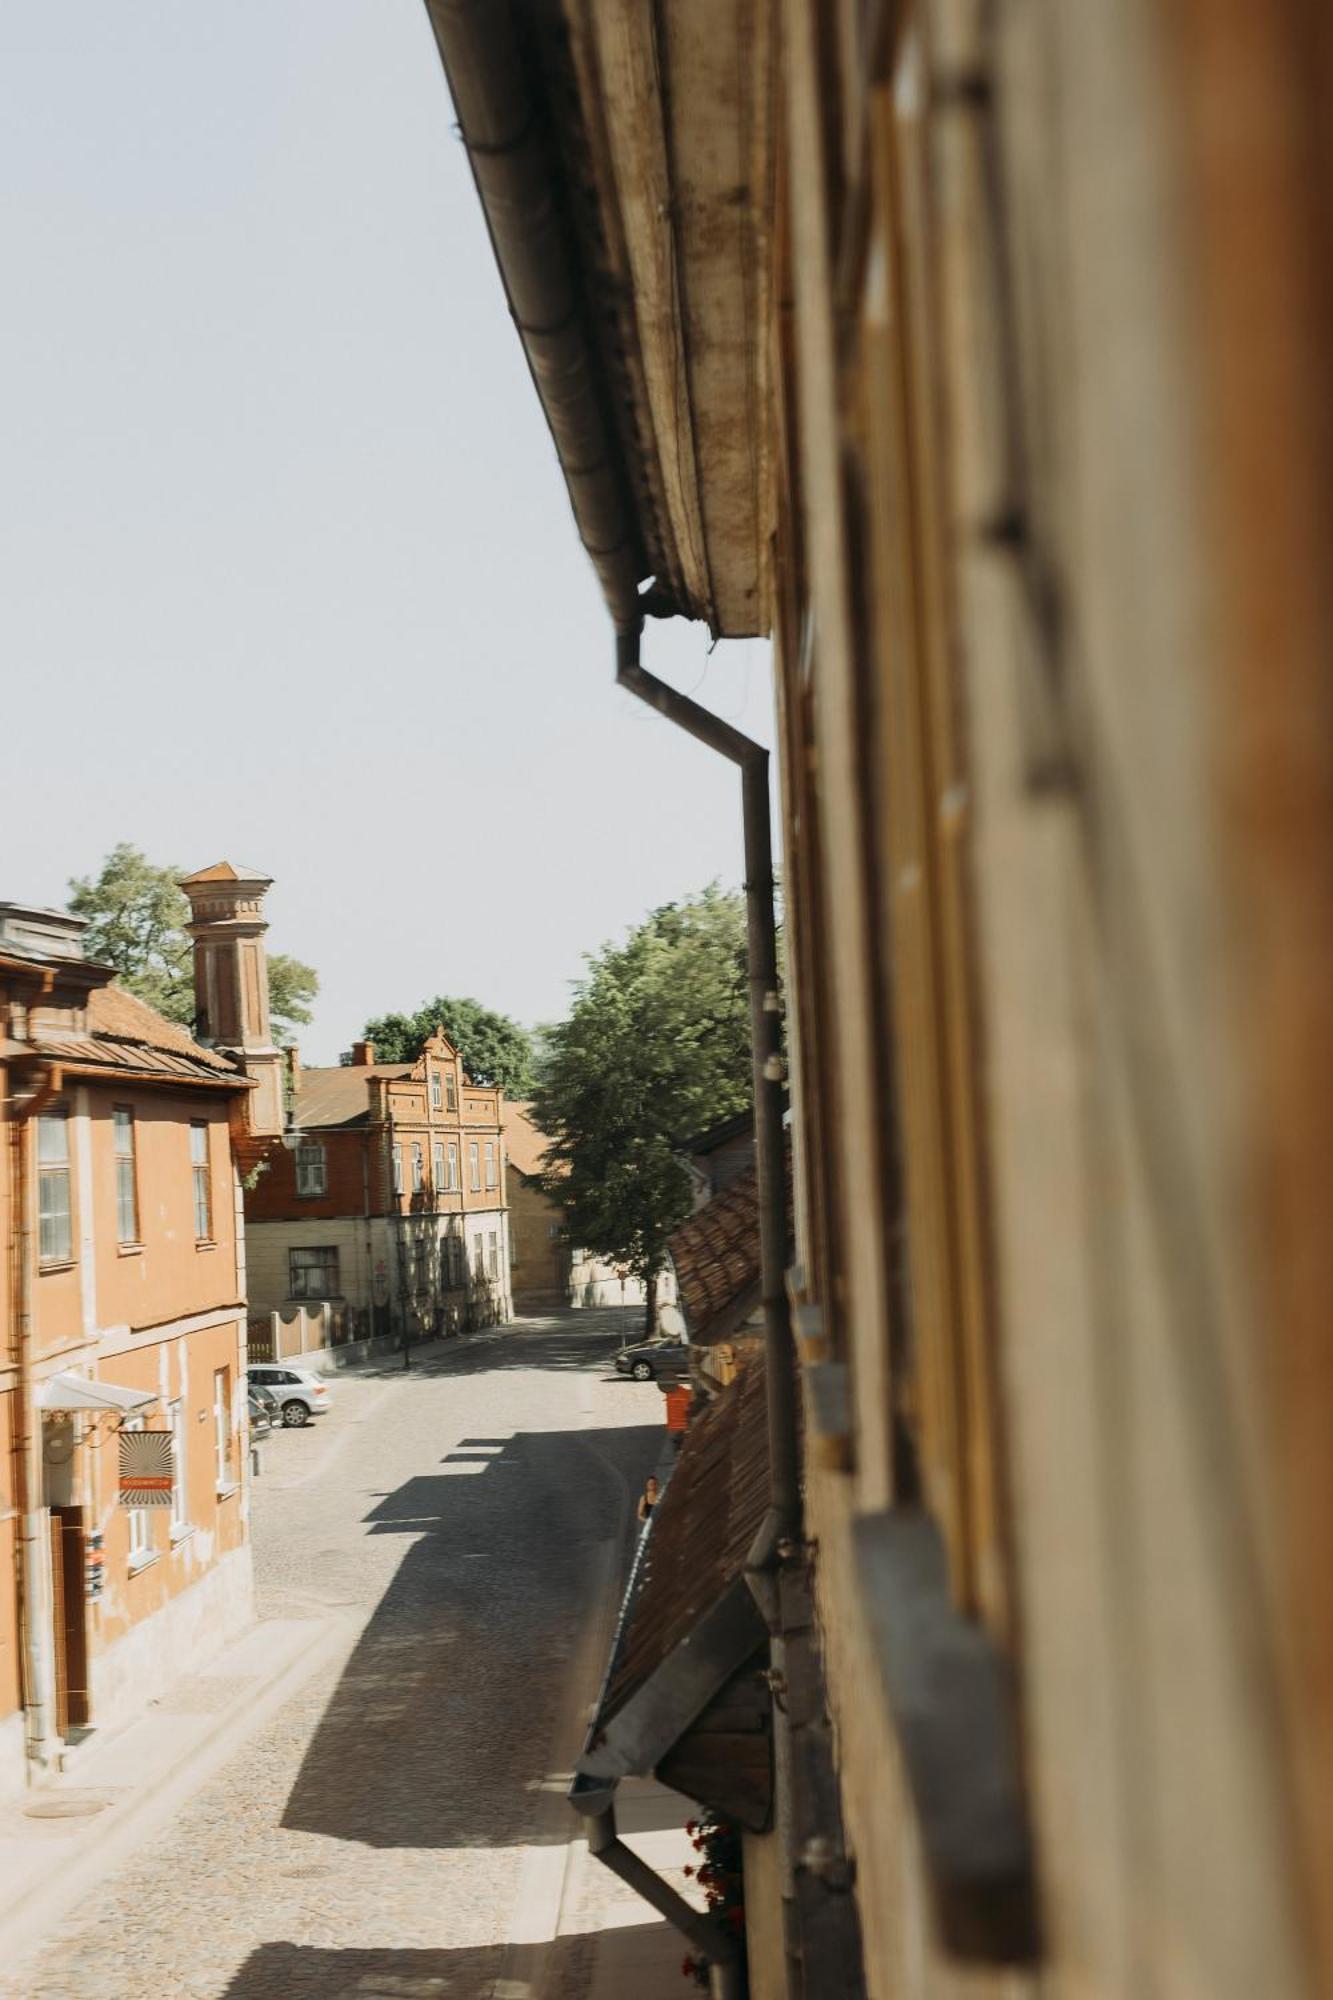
381,1836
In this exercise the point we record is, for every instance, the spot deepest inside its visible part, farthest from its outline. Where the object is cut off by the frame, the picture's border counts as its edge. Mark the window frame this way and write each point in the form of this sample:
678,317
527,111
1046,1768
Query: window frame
312,1161
436,1092
327,1256
125,1158
474,1166
201,1179
450,1091
418,1166
53,1173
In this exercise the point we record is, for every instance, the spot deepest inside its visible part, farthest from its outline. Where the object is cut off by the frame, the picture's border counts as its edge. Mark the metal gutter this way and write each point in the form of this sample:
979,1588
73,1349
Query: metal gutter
784,1515
518,175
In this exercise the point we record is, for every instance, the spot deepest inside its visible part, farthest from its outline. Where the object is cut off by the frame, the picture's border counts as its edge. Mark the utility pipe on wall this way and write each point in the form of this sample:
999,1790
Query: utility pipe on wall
782,1523
34,1595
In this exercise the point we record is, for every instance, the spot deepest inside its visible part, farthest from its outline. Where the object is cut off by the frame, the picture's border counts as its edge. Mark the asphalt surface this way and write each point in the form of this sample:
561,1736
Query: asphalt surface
377,1838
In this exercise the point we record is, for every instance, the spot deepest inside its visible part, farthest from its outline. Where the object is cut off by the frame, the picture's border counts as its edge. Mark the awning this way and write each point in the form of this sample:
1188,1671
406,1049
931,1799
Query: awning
76,1392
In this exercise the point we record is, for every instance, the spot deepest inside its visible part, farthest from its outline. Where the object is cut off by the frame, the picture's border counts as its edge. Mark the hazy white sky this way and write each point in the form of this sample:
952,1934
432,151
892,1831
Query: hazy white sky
287,570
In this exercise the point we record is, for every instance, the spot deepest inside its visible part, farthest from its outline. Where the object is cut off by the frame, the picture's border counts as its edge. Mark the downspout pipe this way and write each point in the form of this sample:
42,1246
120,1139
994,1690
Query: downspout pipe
782,1524
38,1692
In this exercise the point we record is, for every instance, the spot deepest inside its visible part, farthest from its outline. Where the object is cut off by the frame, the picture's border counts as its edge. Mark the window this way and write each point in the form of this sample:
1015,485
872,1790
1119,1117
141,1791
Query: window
418,1169
312,1168
180,1518
451,1090
140,1518
437,1165
474,1164
127,1199
222,1429
397,1169
203,1195
435,1098
55,1233
452,1181
313,1274
490,1163
493,1253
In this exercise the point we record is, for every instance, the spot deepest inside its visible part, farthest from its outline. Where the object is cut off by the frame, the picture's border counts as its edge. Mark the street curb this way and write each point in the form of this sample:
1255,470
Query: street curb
34,1909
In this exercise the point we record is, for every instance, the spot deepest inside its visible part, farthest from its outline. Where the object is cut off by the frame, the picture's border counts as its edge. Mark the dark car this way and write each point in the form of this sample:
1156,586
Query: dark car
654,1359
265,1409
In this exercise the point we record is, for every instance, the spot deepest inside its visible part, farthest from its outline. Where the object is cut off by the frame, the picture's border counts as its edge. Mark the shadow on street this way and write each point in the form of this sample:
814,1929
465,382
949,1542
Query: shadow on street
464,1664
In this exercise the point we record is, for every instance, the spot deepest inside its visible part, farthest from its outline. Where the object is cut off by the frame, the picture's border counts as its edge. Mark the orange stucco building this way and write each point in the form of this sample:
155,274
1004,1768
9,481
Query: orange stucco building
123,1310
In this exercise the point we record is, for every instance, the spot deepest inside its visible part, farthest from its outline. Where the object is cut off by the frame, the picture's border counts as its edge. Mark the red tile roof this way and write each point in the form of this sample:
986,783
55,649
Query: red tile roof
525,1143
715,1255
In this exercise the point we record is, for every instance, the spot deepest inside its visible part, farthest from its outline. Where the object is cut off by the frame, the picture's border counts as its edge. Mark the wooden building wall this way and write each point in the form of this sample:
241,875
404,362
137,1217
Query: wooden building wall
1054,679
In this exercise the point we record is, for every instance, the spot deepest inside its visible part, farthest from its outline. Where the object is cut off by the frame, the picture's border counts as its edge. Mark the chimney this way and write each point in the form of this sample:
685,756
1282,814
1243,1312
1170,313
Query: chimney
227,924
293,1055
363,1055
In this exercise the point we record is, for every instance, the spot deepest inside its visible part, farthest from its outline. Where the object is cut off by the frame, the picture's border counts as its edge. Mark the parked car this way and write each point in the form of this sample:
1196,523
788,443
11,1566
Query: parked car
299,1392
650,1359
265,1410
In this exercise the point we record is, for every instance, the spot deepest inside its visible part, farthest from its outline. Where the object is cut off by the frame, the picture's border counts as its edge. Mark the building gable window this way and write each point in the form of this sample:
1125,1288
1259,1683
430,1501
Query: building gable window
435,1097
450,1090
127,1197
313,1274
203,1194
55,1231
312,1167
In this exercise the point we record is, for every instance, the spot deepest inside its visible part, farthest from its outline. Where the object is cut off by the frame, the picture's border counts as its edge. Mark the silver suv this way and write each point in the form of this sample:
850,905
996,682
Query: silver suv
300,1393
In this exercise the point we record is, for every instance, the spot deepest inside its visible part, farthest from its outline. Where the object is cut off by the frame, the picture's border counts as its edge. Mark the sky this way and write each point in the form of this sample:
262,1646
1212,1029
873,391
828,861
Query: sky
288,574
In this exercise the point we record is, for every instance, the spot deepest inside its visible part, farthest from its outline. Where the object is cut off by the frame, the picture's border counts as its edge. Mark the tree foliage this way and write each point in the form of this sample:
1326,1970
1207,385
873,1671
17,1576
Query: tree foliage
656,1048
495,1049
136,922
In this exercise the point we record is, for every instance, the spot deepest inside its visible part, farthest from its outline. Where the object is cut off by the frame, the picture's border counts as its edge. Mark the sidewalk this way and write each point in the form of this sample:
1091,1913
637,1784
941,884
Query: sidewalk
60,1839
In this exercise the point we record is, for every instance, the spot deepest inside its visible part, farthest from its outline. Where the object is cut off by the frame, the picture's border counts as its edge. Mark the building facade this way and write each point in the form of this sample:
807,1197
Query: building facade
999,404
123,1310
387,1195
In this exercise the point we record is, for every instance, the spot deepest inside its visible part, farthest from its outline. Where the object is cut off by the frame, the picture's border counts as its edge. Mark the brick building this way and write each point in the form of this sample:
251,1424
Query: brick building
123,1310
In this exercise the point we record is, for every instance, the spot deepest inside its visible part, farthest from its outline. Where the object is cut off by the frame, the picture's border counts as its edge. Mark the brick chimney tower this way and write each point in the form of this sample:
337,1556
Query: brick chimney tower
231,981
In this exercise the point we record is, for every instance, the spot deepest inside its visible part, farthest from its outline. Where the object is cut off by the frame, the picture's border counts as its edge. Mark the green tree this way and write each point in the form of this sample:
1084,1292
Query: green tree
136,922
656,1046
495,1050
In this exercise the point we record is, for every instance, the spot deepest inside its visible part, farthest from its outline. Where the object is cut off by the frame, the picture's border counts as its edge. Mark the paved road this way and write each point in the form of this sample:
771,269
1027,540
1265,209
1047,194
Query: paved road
370,1840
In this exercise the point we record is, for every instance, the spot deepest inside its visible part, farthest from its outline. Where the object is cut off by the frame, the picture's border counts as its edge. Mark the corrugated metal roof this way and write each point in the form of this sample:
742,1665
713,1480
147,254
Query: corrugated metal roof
114,1011
125,1033
703,1528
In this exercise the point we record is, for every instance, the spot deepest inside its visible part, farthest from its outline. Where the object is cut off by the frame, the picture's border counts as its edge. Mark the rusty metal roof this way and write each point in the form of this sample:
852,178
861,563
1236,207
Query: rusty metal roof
702,1530
125,1034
